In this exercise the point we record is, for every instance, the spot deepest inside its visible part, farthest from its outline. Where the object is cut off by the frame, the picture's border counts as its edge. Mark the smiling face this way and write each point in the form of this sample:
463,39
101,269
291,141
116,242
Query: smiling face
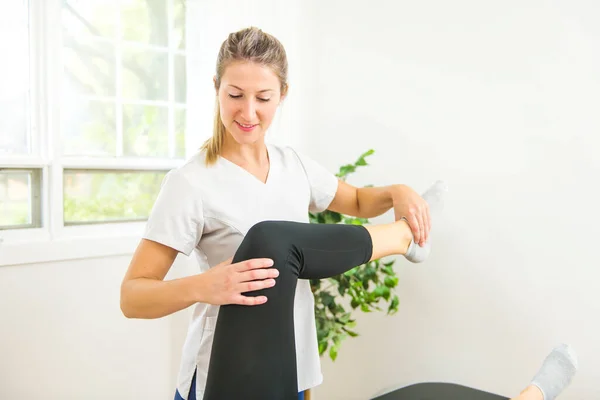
249,95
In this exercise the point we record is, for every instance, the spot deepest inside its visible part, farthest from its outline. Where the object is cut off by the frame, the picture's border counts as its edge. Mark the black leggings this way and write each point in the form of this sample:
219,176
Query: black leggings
253,354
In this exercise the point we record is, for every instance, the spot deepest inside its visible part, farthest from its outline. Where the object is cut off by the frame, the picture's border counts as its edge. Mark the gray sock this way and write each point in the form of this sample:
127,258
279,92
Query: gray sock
434,196
556,372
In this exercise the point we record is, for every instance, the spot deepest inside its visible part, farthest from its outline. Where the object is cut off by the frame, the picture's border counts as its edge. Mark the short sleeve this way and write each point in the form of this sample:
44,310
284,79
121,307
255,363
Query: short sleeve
176,219
323,184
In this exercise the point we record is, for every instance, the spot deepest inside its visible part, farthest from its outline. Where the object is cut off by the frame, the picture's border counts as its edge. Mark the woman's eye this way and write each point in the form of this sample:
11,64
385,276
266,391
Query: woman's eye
239,96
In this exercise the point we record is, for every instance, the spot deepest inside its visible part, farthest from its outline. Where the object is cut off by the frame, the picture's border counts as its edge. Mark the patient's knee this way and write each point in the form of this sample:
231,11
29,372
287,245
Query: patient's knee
268,239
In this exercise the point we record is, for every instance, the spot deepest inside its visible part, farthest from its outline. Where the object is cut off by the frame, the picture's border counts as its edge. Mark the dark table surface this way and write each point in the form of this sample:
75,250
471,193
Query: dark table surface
438,391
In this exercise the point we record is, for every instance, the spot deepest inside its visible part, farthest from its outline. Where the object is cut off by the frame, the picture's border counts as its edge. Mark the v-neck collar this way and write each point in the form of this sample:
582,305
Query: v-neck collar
248,174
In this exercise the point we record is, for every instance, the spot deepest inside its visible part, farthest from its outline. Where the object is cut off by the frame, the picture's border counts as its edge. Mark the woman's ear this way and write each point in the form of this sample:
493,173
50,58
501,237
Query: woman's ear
284,92
215,84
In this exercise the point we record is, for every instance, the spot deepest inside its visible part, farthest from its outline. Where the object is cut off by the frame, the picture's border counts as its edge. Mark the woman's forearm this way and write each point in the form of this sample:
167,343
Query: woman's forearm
374,201
152,298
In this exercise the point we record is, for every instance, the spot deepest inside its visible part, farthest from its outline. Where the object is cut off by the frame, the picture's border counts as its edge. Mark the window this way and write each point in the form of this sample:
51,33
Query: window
20,198
19,185
92,111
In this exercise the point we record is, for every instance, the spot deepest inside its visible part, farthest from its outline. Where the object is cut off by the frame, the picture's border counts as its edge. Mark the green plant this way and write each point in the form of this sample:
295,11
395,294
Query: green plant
363,287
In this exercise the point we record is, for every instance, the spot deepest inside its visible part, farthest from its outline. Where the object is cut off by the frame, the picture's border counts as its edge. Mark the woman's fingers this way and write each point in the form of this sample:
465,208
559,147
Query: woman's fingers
249,300
415,227
255,285
420,224
252,263
426,222
421,229
257,274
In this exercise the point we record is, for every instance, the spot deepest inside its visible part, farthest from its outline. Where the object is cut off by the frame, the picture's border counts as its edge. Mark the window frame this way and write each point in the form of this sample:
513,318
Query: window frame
55,240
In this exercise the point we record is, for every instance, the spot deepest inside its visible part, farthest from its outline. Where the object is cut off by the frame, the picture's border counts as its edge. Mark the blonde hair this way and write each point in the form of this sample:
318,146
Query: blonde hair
253,45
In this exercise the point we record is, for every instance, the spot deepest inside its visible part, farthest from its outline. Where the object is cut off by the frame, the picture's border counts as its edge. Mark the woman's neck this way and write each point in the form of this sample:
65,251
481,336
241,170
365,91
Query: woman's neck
252,154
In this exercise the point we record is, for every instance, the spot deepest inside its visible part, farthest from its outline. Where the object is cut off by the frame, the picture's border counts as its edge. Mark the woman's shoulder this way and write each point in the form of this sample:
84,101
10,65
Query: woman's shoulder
284,151
193,170
293,155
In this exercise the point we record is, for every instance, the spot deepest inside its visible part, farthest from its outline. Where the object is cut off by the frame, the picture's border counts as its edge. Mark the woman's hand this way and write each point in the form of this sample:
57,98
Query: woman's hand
410,205
225,282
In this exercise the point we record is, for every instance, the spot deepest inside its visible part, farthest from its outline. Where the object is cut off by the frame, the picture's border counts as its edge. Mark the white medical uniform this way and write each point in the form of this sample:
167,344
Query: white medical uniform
208,210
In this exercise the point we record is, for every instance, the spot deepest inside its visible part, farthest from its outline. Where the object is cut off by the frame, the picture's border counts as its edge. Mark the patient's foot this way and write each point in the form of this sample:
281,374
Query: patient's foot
434,196
556,372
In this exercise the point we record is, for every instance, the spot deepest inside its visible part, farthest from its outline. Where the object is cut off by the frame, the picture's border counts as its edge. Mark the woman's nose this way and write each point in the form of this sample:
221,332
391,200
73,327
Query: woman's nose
249,111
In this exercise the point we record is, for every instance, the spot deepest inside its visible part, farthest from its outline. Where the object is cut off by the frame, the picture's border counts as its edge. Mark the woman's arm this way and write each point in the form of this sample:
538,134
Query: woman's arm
371,202
145,293
362,202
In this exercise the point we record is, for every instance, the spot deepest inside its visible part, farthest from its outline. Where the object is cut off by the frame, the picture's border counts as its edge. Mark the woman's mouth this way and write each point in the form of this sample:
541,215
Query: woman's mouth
246,128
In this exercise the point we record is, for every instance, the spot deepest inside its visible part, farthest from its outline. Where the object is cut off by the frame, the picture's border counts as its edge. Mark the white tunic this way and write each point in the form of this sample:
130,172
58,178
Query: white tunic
208,210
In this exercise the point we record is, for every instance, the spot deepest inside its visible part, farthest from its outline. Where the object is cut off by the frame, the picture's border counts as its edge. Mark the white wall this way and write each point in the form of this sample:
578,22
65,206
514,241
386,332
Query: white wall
63,335
501,99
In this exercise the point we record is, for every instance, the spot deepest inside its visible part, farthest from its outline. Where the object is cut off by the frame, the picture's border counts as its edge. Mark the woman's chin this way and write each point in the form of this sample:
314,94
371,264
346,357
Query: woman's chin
247,137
